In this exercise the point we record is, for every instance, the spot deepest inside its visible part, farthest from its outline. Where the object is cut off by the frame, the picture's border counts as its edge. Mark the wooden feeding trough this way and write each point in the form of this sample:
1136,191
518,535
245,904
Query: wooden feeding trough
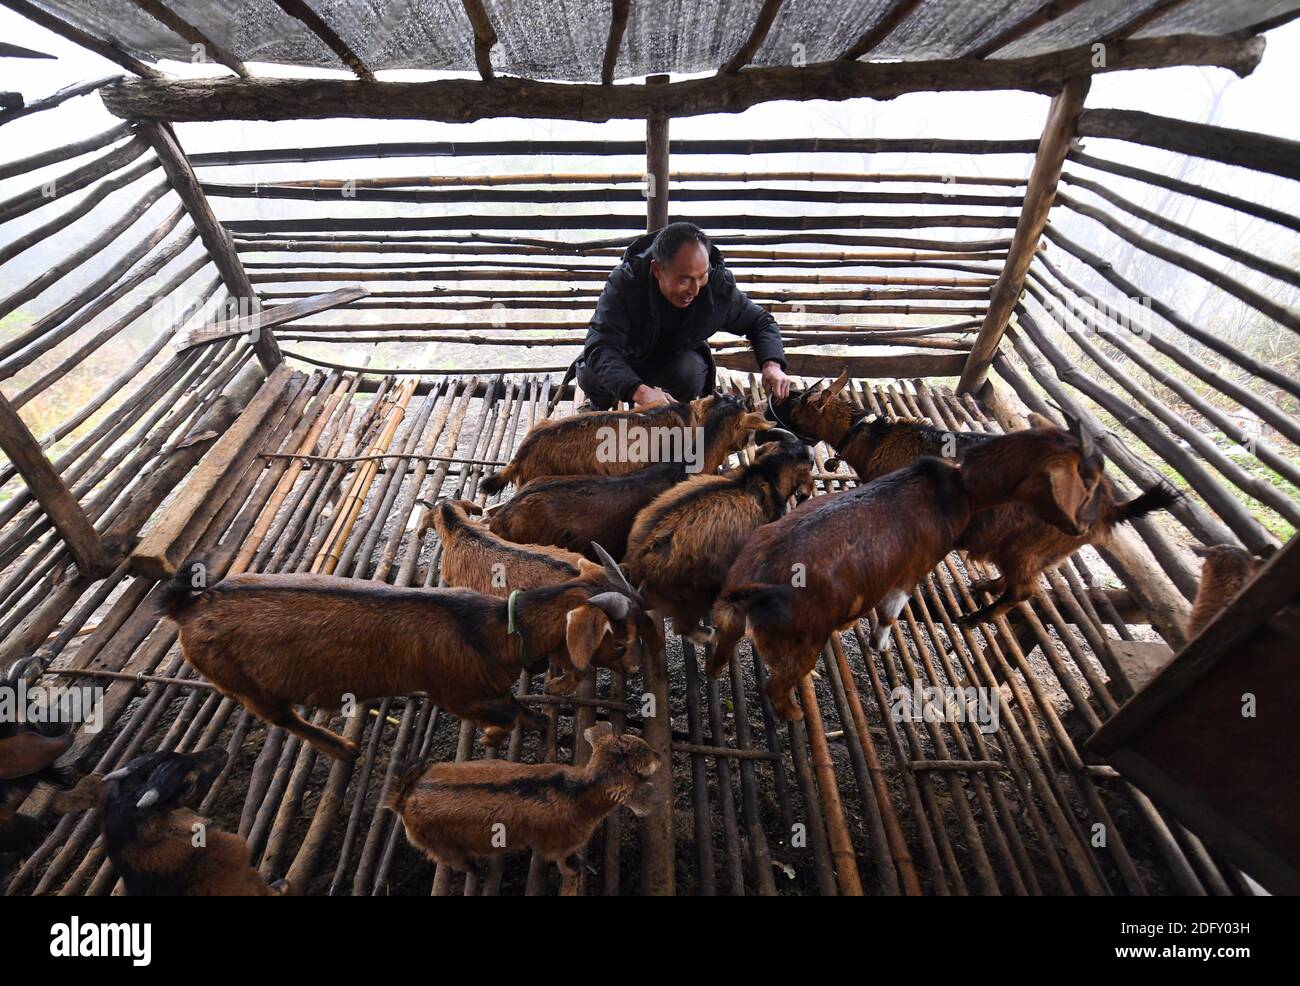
254,426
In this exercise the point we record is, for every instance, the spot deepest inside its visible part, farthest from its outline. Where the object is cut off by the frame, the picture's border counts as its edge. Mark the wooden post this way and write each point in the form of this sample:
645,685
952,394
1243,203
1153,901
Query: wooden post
656,164
1040,193
215,239
56,500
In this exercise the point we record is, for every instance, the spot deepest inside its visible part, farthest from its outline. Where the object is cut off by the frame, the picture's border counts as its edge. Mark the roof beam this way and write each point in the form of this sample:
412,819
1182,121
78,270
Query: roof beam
318,27
18,51
106,49
755,41
215,239
617,25
1040,194
460,101
882,29
485,36
160,12
1141,19
1045,14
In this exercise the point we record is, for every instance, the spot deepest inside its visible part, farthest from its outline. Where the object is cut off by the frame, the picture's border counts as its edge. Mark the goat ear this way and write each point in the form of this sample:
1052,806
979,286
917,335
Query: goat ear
756,421
1037,420
592,733
90,792
584,628
1067,489
1202,550
840,383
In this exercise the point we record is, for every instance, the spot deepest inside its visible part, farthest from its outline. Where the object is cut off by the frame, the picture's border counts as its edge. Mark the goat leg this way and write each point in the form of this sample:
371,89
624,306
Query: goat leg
329,743
883,617
570,870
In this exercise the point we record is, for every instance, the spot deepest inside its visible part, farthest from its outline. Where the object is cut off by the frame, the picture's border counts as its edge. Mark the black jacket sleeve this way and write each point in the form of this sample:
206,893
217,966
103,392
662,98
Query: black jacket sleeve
608,338
744,318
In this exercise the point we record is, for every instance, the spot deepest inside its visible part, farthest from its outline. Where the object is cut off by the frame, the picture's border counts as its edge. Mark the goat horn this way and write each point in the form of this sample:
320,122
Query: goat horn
19,668
117,775
613,604
779,435
615,572
151,797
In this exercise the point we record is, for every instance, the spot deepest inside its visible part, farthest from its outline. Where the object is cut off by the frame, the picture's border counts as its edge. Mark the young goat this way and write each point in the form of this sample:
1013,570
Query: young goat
1225,570
1010,536
683,543
475,558
150,833
275,641
832,559
572,446
574,511
455,812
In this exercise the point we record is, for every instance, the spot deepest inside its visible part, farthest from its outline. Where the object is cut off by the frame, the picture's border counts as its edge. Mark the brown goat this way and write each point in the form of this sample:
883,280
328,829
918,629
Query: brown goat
456,812
475,558
1010,536
571,446
1225,570
831,560
683,543
574,511
150,833
275,641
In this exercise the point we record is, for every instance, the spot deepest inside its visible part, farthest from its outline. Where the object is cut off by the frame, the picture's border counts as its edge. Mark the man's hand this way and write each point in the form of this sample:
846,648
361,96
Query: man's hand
647,396
775,380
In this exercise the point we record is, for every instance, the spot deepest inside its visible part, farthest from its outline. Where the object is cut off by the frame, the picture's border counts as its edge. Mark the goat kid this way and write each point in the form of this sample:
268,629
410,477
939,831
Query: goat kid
574,511
475,558
1009,536
683,543
457,812
572,446
1225,570
831,560
158,845
276,641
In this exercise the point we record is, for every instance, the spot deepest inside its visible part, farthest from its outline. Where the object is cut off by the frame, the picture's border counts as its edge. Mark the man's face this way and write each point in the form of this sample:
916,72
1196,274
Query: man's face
684,278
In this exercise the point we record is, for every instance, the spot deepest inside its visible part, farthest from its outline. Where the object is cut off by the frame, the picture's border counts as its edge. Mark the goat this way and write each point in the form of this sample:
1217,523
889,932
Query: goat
572,445
151,835
475,558
455,812
574,511
1225,570
832,559
26,755
1010,536
273,641
682,544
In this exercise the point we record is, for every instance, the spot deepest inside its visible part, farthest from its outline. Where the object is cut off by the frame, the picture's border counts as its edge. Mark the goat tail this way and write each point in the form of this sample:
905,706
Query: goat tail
401,785
1162,496
494,484
184,588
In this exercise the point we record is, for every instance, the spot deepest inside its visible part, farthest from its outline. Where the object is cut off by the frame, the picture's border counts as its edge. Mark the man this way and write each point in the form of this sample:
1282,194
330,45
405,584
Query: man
648,340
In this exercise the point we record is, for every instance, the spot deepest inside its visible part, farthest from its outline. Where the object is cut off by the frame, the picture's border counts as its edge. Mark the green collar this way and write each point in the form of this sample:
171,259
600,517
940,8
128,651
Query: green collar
514,630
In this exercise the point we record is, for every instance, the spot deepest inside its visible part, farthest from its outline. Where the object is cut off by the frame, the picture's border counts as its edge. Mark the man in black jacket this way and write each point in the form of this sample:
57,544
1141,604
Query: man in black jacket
648,340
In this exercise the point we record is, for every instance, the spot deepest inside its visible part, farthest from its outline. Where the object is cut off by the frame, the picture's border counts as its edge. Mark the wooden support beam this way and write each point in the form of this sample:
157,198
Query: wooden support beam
18,51
105,48
882,29
258,322
755,40
617,26
49,102
180,526
1141,19
160,12
1040,193
485,36
215,238
1045,14
901,366
303,12
461,101
656,162
60,506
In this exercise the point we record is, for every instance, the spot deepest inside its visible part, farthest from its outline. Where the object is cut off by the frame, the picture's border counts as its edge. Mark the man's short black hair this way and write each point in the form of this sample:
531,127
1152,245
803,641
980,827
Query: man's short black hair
673,237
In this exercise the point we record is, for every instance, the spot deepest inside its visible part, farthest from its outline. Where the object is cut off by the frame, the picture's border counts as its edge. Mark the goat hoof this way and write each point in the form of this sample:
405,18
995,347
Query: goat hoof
564,685
280,888
702,635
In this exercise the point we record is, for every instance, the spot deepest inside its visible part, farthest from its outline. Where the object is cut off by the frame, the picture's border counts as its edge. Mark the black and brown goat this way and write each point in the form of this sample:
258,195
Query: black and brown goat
1009,536
683,543
457,812
831,560
573,446
475,558
574,511
276,641
1225,570
158,845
